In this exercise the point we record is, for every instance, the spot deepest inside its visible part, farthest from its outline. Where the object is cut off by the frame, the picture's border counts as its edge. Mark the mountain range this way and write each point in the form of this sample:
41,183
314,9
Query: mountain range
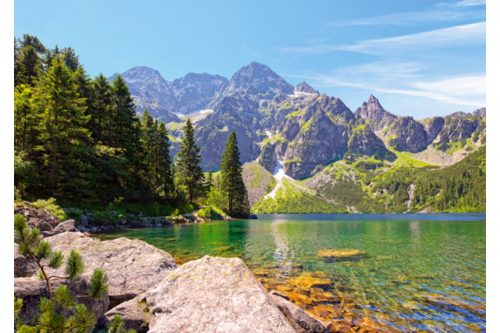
299,128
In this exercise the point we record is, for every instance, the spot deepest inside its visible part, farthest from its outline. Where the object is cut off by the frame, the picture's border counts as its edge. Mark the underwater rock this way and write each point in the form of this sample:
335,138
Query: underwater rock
340,254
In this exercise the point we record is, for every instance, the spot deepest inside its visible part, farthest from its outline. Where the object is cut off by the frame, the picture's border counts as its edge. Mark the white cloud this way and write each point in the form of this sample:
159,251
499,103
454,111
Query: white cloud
470,3
412,18
460,35
465,90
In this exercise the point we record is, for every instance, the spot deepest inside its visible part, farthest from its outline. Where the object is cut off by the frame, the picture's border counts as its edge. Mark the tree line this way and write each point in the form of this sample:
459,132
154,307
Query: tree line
78,139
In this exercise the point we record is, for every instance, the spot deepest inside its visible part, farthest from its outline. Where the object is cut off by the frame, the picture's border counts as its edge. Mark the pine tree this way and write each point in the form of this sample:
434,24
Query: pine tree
232,185
101,98
26,66
125,135
64,140
25,120
188,170
165,163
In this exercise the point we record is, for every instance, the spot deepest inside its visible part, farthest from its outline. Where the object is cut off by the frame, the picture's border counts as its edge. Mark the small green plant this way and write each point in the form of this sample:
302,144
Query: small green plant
117,326
51,206
60,313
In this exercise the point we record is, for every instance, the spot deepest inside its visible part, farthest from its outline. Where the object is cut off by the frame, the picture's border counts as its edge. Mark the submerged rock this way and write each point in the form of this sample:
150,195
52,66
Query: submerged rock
340,254
132,266
213,295
300,320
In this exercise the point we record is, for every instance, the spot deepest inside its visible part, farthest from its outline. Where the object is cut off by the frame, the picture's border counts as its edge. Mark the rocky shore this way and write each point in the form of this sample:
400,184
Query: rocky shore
153,294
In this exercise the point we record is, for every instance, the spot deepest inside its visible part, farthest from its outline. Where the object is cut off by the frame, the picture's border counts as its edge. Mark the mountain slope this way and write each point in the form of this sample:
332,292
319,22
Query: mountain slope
298,126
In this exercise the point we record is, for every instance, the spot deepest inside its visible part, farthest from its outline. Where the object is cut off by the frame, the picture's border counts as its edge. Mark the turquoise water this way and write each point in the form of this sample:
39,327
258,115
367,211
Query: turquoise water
421,271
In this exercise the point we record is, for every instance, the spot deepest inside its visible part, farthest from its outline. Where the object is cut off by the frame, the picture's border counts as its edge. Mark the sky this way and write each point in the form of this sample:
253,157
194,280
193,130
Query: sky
420,58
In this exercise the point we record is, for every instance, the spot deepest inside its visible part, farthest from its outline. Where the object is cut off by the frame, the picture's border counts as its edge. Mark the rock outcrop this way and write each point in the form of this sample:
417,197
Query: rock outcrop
363,142
132,266
303,87
213,295
406,134
373,112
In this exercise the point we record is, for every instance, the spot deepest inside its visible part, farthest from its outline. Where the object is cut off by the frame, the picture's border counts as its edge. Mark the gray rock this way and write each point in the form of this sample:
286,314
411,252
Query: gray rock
134,313
23,267
300,320
375,114
66,226
132,266
213,295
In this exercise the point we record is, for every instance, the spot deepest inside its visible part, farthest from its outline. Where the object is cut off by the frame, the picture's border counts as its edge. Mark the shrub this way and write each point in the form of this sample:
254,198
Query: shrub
51,206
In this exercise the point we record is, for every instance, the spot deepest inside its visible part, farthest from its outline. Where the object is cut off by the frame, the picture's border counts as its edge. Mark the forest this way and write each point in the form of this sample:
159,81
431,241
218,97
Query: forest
79,140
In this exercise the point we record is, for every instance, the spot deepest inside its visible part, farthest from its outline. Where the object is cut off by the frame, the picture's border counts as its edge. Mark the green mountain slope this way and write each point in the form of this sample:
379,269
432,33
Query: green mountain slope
371,185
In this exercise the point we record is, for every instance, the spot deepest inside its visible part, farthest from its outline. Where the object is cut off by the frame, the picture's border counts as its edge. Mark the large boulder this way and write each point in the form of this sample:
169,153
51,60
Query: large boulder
213,295
132,266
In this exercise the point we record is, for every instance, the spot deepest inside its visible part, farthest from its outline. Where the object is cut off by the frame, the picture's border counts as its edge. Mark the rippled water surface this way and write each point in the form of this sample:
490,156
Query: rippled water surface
420,272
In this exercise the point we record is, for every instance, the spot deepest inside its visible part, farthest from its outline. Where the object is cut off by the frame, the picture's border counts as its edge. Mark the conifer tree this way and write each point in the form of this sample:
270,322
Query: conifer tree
26,66
25,119
125,135
232,185
188,170
64,139
165,163
100,110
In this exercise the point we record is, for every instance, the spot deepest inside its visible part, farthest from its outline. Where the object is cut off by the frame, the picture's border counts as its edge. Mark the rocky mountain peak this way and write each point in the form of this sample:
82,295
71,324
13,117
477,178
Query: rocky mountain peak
142,73
375,114
303,87
480,113
259,79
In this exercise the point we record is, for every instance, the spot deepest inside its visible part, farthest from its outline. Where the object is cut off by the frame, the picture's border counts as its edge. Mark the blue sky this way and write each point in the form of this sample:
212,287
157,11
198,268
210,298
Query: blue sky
421,58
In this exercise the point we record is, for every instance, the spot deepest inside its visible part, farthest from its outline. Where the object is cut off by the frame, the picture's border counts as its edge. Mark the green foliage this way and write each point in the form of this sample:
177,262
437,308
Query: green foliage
157,161
24,173
61,313
457,188
74,265
211,213
117,326
98,287
232,186
51,206
189,173
79,140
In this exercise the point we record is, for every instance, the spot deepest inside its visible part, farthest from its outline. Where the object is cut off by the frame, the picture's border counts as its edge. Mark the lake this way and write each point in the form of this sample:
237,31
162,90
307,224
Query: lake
419,272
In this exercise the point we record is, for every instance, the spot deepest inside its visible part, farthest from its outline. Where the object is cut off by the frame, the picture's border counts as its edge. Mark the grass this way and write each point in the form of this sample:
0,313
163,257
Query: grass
407,160
290,199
